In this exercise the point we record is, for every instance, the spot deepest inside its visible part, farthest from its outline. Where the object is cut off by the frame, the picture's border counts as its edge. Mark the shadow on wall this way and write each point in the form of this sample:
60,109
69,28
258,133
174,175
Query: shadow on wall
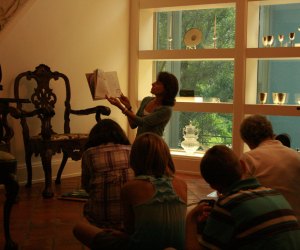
8,9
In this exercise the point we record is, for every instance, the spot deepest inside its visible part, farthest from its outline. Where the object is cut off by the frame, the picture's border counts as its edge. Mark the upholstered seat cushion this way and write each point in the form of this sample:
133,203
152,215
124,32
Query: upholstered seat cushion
62,137
71,143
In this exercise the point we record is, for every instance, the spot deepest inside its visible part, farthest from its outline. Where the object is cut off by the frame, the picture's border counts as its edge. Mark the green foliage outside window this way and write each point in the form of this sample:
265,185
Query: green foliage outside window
207,78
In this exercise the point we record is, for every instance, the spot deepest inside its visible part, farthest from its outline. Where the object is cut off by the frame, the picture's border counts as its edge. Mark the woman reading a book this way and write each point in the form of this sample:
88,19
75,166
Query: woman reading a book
155,111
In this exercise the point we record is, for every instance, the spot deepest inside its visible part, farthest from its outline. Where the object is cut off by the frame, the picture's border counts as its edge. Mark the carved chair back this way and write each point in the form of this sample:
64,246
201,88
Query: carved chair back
43,98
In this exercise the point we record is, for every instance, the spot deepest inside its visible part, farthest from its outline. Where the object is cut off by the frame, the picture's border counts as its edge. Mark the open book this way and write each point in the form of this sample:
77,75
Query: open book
103,83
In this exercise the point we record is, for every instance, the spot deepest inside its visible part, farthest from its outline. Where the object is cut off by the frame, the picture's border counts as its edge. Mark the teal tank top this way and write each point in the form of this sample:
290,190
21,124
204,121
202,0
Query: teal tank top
159,222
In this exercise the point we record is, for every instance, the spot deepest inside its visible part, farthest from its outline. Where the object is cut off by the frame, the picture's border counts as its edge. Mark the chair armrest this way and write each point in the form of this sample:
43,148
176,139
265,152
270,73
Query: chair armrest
98,110
20,113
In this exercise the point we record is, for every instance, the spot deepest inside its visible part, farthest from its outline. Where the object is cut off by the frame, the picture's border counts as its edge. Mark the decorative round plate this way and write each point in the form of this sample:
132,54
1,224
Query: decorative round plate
192,37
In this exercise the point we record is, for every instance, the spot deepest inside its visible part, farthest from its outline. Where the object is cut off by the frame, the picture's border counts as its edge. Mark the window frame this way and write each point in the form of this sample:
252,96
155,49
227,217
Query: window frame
245,55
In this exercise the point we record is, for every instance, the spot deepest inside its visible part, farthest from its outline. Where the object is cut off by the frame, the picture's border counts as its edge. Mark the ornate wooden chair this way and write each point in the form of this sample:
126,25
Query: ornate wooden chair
47,142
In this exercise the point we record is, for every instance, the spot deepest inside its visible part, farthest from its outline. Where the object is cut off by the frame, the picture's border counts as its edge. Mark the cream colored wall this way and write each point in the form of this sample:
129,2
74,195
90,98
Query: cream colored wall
73,37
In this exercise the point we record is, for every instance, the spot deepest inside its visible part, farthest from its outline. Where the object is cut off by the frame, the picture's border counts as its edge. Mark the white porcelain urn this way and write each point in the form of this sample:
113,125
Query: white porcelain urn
190,143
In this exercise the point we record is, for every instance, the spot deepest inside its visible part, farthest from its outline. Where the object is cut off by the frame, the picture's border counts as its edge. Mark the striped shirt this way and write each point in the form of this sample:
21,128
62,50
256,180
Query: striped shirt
105,169
251,216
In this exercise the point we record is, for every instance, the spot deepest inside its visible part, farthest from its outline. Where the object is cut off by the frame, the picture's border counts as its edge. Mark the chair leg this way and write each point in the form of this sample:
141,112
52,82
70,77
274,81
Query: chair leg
28,168
46,161
61,168
12,189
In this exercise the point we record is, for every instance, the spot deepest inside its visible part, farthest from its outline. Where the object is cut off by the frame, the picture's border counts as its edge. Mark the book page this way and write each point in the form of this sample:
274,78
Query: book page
103,83
112,84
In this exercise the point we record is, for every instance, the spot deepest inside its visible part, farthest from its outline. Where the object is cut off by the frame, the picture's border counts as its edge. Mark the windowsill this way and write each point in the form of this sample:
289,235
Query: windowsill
186,163
179,153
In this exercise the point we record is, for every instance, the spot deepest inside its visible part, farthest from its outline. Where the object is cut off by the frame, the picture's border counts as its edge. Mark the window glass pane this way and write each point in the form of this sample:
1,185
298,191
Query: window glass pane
212,128
289,125
280,19
207,79
211,28
279,76
276,76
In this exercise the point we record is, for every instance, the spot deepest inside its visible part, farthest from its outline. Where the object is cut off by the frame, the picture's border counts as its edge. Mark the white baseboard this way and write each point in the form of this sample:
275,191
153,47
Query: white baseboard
72,169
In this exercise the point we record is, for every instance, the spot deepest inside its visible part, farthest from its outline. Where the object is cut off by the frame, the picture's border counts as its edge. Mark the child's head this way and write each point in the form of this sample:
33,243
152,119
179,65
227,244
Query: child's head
106,131
150,155
220,167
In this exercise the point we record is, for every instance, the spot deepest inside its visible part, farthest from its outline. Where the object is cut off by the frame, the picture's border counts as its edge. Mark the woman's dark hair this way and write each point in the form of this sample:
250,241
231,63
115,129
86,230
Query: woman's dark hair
106,131
150,155
284,138
170,83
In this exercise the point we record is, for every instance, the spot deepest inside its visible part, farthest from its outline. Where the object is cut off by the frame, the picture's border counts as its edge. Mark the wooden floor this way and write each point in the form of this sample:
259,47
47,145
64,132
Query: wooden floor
38,224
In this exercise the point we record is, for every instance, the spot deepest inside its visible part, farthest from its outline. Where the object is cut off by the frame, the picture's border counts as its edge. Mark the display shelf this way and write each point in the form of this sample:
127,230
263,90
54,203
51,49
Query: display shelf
272,109
186,163
184,4
191,104
203,107
269,2
278,52
184,54
182,154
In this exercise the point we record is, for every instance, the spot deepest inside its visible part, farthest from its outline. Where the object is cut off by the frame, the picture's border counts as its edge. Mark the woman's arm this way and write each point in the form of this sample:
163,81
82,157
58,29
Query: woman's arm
124,105
158,116
86,232
125,101
193,218
180,187
131,118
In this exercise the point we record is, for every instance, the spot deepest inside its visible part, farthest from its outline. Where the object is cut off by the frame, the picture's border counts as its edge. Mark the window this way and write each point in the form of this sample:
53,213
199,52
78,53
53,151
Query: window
213,128
211,22
210,80
224,76
281,75
214,79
